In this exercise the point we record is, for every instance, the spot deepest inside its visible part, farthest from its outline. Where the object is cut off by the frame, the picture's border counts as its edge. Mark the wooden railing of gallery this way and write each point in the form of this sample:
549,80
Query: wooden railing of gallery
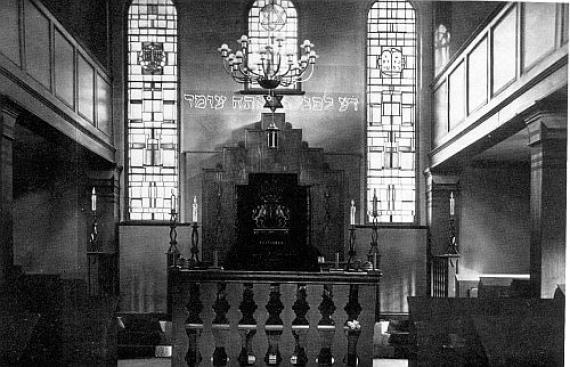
519,57
43,65
268,318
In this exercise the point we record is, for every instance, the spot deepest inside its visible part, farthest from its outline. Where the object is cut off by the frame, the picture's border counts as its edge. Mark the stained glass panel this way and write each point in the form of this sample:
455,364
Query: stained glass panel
152,108
391,101
258,36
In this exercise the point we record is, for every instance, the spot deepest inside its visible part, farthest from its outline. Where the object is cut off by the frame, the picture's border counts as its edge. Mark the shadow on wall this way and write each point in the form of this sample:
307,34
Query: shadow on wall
143,265
403,264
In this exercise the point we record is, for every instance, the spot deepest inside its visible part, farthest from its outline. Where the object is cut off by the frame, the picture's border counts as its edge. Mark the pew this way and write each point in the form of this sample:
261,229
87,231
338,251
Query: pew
487,331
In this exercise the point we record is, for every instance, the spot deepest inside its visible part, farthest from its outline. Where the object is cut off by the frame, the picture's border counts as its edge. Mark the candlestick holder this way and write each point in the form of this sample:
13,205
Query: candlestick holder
327,217
94,235
194,262
93,258
374,253
351,251
452,246
173,254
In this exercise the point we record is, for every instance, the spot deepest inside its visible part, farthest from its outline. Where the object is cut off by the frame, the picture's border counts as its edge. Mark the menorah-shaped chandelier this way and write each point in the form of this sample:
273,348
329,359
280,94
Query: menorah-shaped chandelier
276,67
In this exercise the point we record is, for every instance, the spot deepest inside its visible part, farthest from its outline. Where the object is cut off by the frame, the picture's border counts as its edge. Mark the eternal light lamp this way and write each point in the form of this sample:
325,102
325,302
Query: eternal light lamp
275,67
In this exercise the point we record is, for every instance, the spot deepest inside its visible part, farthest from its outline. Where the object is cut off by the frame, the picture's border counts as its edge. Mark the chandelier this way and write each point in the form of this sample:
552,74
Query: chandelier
276,67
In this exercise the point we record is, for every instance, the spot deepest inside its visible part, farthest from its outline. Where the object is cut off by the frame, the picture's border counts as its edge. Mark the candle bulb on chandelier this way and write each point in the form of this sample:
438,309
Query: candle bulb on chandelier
274,71
93,200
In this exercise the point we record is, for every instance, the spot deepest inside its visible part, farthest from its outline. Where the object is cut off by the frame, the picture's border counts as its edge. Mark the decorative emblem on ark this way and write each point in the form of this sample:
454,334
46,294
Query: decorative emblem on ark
270,212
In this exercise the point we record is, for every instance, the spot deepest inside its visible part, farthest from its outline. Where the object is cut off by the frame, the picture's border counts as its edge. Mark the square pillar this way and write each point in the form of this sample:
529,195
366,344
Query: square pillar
439,190
439,187
8,116
547,141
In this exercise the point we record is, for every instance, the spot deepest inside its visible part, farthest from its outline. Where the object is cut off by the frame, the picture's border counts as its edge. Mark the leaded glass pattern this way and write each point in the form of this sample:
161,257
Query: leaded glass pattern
152,108
259,36
391,102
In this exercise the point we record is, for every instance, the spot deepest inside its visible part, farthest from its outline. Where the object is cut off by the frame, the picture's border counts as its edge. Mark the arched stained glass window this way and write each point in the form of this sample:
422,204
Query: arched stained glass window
391,103
286,28
152,130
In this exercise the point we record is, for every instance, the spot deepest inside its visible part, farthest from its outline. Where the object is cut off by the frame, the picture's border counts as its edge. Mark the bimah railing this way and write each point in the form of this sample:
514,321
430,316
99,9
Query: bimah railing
248,318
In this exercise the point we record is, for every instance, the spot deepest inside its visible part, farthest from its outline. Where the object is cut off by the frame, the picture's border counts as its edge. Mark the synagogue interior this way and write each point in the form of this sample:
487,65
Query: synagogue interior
283,182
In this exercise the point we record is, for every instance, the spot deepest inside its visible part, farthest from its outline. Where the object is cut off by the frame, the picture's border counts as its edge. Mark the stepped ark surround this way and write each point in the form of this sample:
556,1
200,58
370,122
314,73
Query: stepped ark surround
272,208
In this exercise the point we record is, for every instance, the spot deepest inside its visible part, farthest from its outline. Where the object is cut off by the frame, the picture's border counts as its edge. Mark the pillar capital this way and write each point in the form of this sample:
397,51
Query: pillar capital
546,124
443,180
9,113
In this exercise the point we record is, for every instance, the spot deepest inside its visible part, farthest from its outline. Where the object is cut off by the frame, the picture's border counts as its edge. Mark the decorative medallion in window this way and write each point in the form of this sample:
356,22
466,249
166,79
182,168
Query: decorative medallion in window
152,58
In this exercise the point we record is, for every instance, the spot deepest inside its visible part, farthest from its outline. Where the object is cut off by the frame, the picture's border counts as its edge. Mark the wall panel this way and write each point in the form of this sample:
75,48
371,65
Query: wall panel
64,69
477,77
538,31
85,77
457,96
504,51
564,21
104,106
9,32
440,109
37,37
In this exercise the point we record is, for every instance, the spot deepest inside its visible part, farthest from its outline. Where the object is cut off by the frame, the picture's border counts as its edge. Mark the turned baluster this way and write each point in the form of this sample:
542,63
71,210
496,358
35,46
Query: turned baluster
247,326
300,327
326,327
274,326
352,326
220,327
194,326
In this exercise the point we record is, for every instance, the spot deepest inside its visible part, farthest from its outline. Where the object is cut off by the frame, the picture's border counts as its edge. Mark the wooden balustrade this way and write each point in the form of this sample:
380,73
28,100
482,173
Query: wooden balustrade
48,72
443,270
267,318
512,60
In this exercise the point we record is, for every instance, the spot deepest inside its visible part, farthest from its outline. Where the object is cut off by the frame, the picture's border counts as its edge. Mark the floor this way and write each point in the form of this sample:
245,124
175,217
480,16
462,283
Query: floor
153,362
164,362
390,347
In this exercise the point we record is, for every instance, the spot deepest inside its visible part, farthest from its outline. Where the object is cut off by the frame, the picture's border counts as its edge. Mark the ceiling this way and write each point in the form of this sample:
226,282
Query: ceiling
514,149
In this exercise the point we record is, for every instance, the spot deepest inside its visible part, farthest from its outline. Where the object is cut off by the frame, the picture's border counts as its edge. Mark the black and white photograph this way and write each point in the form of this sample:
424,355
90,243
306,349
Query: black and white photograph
283,183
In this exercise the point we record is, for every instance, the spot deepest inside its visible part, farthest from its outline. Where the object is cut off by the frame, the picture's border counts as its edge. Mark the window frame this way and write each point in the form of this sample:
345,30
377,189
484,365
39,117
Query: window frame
177,110
415,116
298,87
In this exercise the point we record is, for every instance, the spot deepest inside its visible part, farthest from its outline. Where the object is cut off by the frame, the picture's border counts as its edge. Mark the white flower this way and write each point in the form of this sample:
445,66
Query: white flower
353,324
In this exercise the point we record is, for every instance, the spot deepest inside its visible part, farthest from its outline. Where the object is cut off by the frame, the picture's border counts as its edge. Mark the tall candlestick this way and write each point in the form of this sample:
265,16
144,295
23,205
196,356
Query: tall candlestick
375,202
352,213
195,210
451,204
93,200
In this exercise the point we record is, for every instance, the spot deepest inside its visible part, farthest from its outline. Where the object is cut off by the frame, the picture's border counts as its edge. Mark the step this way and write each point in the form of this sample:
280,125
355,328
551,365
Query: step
389,362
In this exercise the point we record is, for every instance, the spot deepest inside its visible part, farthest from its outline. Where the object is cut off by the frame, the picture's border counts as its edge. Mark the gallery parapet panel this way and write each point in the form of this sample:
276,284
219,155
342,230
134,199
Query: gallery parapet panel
47,71
504,69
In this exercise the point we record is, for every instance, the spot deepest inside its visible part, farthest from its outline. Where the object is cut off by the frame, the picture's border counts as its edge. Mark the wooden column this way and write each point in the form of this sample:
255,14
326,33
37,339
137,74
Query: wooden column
439,187
547,141
8,115
438,191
